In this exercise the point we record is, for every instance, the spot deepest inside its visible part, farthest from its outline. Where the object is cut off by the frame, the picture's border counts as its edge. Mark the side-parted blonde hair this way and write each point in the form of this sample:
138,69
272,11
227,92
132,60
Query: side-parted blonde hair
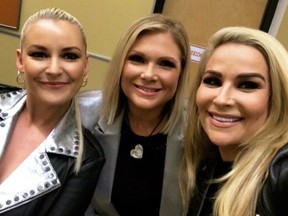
114,100
241,188
57,14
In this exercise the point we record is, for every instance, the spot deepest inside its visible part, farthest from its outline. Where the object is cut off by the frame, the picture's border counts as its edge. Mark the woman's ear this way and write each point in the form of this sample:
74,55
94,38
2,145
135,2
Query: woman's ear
86,69
19,62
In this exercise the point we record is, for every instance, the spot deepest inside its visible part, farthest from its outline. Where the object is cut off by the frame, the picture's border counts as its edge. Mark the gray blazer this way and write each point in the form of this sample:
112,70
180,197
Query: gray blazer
109,137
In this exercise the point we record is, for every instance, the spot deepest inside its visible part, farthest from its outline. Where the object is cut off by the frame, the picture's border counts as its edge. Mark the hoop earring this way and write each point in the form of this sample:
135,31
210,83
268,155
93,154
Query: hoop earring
85,80
19,79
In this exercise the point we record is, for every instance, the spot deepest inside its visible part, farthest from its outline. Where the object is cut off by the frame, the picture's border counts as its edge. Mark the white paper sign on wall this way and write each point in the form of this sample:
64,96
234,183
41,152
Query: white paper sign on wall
196,52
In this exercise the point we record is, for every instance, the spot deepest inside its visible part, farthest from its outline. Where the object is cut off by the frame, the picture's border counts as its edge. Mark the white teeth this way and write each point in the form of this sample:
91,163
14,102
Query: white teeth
222,119
147,89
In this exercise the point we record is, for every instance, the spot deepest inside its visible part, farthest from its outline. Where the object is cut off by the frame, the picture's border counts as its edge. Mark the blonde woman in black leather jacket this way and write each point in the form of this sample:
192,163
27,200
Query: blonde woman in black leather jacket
236,152
49,163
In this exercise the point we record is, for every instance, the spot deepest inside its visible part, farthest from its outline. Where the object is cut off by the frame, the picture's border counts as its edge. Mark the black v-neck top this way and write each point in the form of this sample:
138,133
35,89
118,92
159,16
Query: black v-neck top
220,168
137,183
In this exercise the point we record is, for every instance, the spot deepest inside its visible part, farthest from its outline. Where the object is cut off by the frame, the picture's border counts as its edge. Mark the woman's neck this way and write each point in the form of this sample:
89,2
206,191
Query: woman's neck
42,115
145,124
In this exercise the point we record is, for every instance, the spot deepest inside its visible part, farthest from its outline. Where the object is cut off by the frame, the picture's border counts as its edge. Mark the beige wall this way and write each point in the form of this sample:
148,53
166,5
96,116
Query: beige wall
103,22
282,34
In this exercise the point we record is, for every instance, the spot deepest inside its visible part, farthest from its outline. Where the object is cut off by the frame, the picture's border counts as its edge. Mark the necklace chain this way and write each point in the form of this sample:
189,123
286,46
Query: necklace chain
162,117
154,129
137,152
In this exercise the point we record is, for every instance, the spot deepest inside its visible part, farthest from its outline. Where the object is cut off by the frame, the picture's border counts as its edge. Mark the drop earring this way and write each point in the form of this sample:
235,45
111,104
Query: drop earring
85,80
19,78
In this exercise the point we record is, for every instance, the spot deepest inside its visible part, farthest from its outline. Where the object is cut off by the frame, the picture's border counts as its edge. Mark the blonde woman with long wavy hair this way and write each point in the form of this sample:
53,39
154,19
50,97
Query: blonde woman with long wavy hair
236,153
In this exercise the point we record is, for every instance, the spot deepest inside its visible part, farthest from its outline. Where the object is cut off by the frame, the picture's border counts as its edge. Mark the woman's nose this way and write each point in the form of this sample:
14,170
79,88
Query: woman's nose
149,73
224,96
54,66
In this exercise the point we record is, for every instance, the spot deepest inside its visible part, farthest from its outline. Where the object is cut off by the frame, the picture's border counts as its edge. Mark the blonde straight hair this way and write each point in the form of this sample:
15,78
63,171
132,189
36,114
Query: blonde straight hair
242,185
114,100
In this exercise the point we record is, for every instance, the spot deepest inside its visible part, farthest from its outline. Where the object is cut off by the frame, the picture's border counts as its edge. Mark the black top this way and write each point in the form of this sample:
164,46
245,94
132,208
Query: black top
272,199
221,168
137,184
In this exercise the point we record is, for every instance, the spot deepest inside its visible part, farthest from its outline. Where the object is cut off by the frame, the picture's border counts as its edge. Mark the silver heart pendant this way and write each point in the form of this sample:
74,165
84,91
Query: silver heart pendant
137,152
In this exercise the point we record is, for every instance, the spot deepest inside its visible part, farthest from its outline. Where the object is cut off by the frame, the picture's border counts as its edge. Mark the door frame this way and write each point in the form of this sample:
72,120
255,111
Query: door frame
265,22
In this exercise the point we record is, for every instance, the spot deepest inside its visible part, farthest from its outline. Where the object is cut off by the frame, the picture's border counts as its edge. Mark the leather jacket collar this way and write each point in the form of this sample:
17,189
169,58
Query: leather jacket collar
35,176
11,104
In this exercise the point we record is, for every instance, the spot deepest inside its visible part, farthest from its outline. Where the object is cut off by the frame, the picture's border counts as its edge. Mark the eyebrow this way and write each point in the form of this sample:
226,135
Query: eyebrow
251,75
37,47
240,76
212,72
44,48
71,48
136,52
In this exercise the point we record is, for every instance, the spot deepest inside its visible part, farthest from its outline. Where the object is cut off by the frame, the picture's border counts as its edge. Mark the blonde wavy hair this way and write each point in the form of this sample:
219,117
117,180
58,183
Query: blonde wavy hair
242,185
114,100
57,14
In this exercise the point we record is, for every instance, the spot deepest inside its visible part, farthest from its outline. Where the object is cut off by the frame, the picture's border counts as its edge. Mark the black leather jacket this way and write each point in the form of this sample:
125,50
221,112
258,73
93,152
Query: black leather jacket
76,189
272,200
45,184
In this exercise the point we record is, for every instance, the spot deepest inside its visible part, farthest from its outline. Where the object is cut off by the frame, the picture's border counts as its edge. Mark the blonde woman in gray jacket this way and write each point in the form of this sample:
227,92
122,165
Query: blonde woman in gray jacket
138,118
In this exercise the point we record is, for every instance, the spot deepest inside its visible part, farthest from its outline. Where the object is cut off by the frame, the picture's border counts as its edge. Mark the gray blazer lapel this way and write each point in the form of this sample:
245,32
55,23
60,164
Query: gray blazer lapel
109,137
171,197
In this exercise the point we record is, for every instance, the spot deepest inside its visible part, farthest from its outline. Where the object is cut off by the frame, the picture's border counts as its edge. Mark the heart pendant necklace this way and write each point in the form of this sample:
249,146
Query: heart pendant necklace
138,150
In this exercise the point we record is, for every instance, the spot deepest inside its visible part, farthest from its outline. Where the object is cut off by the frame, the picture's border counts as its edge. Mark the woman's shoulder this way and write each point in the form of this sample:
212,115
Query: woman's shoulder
90,104
93,149
11,97
280,160
273,197
89,98
7,88
278,170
